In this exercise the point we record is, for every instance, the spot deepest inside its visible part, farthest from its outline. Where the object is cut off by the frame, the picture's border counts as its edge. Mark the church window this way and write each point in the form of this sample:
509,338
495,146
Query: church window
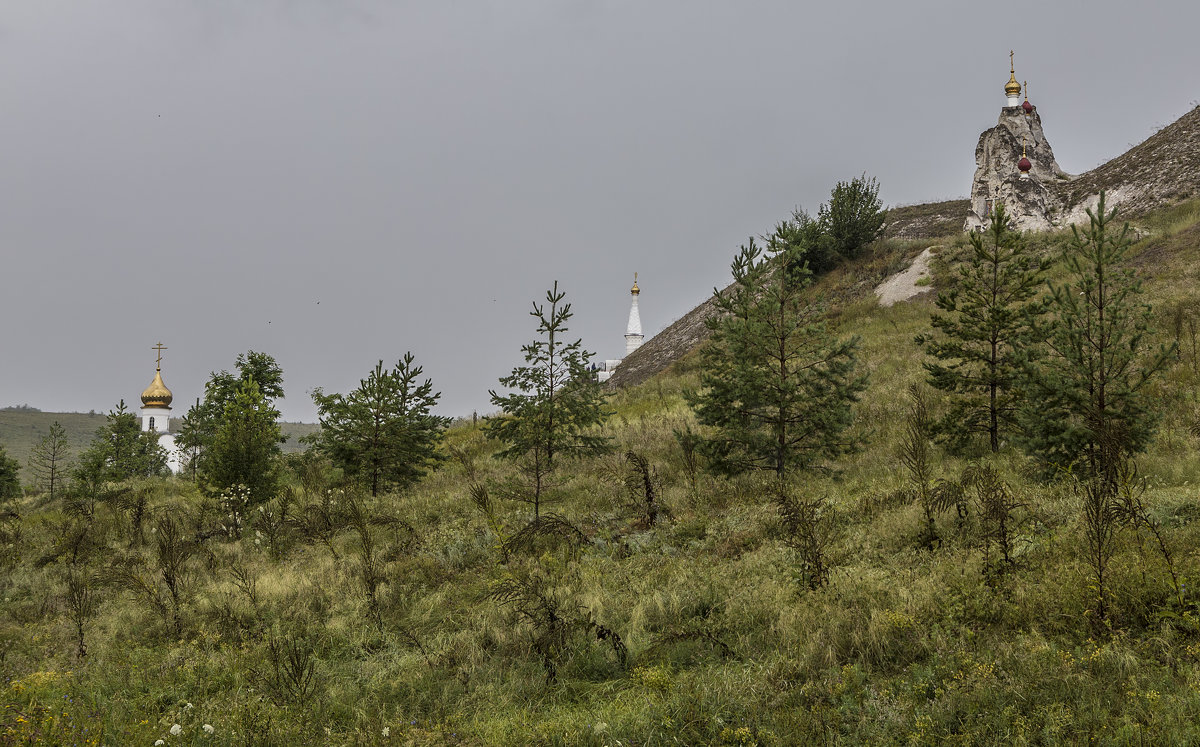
151,423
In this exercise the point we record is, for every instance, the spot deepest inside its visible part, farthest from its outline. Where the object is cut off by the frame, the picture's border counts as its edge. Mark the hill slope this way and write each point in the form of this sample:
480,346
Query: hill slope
1161,171
437,615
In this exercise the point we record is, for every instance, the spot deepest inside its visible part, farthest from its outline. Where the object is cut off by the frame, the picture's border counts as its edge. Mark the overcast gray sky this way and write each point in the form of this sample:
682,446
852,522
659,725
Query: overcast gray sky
338,182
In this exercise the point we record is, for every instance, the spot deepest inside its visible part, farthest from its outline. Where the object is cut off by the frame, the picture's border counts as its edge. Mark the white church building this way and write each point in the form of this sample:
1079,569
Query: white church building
156,414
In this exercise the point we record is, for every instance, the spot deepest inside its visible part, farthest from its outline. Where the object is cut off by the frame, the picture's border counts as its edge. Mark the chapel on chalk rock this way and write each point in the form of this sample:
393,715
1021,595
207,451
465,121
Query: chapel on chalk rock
633,335
1014,165
156,414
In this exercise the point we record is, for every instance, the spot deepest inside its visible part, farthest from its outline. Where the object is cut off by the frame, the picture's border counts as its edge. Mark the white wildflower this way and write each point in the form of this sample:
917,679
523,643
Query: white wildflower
387,731
159,743
188,707
176,730
208,728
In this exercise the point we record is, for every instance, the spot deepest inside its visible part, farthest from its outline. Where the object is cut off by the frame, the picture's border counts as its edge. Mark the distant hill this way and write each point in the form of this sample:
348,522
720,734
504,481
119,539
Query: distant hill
22,428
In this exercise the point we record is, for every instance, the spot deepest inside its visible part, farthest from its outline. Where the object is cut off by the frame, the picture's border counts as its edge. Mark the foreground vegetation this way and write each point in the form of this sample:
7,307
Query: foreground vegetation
669,606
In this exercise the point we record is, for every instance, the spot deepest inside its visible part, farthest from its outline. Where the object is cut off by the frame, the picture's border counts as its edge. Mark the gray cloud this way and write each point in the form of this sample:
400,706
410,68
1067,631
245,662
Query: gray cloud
337,183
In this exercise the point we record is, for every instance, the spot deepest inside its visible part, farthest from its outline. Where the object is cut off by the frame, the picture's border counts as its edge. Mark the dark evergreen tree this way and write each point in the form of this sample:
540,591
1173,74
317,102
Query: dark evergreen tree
48,462
555,405
803,240
984,334
10,476
1087,407
202,420
121,450
383,432
777,387
245,448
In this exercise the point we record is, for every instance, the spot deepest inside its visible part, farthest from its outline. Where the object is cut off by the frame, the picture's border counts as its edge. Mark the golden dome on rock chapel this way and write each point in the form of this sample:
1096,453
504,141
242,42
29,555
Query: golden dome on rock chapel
1012,87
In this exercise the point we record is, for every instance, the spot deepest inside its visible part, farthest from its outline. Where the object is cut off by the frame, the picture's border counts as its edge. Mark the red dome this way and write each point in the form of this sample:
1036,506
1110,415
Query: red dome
1028,107
1024,165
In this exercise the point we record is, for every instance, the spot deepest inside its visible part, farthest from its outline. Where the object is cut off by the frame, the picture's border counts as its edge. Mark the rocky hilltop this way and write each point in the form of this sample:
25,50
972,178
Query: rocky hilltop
928,220
1160,171
1017,138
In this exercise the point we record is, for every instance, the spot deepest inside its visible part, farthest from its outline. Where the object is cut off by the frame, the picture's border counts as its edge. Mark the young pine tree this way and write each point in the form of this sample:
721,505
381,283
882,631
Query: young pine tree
121,450
10,477
555,405
1087,406
777,387
983,333
49,460
383,432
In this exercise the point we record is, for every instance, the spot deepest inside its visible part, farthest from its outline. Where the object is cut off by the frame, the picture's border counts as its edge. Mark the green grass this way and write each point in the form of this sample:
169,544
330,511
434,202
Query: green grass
725,644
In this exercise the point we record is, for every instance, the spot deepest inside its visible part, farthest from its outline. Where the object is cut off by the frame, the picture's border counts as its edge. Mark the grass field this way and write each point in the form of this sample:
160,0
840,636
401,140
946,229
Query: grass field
698,629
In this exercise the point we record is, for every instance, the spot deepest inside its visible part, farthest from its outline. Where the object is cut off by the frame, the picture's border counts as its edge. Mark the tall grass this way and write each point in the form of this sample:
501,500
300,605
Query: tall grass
343,617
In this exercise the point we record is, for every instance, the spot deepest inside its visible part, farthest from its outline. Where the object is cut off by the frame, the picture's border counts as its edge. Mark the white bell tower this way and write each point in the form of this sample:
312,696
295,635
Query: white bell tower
633,330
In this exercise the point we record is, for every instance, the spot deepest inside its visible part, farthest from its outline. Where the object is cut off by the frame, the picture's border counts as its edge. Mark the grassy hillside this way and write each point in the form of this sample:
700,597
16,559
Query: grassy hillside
21,429
695,630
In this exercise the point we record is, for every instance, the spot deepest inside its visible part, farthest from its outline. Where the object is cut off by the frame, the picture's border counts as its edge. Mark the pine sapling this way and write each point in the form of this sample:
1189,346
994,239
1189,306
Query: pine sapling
805,531
81,602
643,485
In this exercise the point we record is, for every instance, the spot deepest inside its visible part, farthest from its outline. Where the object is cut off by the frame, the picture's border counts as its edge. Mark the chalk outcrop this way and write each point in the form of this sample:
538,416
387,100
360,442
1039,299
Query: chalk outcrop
998,179
1162,170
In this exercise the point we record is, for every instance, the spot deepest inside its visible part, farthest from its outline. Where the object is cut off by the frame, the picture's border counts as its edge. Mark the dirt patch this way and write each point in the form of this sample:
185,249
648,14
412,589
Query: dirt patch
907,283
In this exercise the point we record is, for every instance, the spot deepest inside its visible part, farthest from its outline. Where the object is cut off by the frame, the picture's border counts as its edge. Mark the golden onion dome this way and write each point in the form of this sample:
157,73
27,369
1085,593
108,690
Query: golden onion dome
1012,87
635,289
157,394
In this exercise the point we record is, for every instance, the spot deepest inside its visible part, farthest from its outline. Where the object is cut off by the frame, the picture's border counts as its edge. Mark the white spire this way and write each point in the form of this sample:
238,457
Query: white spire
633,330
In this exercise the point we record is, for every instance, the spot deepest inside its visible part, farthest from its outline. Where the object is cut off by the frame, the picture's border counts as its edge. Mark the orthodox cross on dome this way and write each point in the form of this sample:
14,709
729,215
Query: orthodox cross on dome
159,347
1012,89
